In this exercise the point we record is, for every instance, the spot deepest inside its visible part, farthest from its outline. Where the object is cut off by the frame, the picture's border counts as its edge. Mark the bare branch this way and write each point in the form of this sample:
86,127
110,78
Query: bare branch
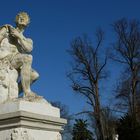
83,112
100,70
118,60
99,35
87,67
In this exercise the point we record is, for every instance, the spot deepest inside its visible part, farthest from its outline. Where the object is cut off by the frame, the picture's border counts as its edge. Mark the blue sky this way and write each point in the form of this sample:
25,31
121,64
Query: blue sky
54,23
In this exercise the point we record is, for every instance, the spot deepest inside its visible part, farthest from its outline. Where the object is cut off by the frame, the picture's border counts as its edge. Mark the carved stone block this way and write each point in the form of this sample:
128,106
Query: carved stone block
20,134
24,120
8,81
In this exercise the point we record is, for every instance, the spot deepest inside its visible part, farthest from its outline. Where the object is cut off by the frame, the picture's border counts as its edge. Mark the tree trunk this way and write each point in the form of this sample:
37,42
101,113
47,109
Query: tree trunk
98,114
134,98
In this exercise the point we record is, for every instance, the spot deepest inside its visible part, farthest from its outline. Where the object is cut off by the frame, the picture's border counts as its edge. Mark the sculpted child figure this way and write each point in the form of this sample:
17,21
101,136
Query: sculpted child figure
16,48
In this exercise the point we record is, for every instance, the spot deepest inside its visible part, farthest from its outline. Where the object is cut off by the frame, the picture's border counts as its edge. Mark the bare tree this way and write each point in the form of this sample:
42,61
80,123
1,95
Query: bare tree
127,52
109,122
87,71
123,101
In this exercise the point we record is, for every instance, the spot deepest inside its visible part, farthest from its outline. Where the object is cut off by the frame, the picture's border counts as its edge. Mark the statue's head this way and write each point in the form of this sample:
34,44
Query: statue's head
22,18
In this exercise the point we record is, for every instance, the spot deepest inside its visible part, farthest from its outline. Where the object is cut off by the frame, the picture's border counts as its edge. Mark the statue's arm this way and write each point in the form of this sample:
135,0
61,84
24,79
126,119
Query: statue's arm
3,31
26,43
3,51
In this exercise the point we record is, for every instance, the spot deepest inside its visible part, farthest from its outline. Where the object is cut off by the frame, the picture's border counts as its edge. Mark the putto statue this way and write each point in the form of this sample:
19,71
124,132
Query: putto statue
16,60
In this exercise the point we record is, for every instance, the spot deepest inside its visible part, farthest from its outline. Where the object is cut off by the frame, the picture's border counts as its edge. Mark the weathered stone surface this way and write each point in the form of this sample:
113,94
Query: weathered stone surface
20,134
8,81
42,107
36,121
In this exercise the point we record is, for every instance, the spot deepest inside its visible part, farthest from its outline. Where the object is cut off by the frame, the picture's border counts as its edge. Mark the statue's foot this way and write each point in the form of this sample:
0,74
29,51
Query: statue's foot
30,94
32,97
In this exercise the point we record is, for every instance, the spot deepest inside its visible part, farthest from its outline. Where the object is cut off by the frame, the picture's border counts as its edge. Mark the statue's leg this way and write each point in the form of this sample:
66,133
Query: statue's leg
24,62
26,75
34,77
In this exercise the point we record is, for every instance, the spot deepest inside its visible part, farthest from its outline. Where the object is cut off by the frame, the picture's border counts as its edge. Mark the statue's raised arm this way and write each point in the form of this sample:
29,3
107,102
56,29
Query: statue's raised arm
4,47
3,32
25,43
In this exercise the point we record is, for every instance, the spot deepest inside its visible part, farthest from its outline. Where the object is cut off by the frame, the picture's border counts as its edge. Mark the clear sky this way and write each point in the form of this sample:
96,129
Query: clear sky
54,23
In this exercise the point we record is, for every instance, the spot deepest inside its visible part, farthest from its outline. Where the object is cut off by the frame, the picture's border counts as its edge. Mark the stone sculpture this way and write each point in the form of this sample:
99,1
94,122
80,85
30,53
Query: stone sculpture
20,134
29,117
16,60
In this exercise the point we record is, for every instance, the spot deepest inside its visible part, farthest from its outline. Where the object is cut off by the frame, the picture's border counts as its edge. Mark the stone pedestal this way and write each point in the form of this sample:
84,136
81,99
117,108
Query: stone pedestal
24,120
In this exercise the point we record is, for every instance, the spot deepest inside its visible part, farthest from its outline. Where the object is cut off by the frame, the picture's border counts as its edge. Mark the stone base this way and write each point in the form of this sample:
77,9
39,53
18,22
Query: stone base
24,120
